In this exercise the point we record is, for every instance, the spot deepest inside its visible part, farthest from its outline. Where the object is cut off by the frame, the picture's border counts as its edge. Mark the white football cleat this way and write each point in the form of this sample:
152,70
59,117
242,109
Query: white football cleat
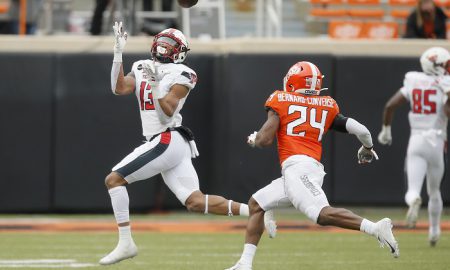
413,213
239,266
383,232
270,223
433,237
120,253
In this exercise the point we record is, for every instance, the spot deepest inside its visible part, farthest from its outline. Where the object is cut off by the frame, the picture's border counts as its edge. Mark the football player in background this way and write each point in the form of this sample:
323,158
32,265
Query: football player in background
161,86
427,94
299,118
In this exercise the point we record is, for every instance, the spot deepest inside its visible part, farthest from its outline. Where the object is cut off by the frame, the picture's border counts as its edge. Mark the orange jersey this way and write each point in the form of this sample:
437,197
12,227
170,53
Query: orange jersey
304,120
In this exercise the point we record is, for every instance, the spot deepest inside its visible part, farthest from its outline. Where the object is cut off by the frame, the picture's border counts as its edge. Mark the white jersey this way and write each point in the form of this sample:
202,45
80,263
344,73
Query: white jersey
168,75
426,95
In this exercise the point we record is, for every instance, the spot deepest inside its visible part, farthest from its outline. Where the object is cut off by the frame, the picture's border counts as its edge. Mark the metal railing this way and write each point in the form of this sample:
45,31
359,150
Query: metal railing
269,18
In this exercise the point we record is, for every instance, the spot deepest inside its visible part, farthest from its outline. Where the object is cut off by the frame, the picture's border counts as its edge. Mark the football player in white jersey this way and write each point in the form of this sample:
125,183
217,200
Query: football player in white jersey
426,92
161,86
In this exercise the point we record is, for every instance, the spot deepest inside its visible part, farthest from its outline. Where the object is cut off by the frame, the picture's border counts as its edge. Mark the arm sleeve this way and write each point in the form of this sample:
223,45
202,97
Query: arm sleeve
115,70
339,123
360,131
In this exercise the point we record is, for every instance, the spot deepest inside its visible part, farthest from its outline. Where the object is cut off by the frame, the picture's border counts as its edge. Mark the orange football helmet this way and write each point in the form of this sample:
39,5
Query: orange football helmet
305,78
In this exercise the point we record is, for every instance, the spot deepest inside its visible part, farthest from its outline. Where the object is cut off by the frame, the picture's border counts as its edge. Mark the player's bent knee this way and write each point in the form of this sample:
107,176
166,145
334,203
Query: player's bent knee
253,206
196,202
114,180
324,217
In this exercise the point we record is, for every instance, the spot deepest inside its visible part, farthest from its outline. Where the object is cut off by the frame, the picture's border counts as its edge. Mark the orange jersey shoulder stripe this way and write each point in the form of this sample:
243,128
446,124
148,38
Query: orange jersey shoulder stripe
304,120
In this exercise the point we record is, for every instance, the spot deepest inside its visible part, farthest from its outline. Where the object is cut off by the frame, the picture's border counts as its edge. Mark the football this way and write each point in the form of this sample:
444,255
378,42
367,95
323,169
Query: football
187,3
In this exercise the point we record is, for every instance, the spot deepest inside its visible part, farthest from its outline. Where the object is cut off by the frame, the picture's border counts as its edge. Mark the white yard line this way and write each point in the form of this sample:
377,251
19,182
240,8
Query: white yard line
43,263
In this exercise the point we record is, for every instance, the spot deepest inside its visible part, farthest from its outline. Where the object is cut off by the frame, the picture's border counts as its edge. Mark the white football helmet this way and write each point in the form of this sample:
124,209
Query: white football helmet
435,61
170,46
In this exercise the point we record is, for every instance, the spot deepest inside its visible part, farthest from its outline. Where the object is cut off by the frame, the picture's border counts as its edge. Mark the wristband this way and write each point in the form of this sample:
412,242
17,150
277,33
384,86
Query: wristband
117,57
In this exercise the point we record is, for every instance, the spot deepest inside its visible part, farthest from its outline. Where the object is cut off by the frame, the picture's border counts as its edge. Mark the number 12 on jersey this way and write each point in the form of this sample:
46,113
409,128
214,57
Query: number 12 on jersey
146,97
306,116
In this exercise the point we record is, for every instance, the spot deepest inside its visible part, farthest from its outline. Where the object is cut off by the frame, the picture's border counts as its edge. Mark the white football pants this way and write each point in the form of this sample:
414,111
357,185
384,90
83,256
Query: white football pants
425,158
169,154
300,186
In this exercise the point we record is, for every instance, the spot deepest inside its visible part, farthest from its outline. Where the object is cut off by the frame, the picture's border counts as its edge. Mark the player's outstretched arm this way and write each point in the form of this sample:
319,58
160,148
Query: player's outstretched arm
265,136
350,125
120,84
366,153
385,137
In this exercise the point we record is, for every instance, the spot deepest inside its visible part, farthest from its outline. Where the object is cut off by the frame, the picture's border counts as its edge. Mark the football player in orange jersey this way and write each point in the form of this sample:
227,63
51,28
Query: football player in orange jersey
298,117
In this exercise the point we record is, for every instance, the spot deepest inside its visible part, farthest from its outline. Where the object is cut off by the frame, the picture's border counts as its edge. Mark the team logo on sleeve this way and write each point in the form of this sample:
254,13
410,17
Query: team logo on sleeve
191,76
271,97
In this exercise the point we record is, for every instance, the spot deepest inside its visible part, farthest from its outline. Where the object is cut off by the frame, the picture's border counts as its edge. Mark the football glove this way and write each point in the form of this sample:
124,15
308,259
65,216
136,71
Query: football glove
149,67
251,139
385,137
151,70
366,155
119,41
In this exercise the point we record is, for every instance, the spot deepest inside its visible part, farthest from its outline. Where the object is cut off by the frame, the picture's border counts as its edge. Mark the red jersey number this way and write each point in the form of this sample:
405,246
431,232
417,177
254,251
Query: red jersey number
306,117
146,97
421,101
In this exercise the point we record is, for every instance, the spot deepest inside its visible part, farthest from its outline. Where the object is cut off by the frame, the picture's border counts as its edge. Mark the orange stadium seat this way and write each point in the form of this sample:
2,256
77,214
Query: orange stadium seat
442,3
380,30
327,8
403,3
400,9
372,9
366,13
324,12
326,2
345,29
400,13
4,8
364,2
447,12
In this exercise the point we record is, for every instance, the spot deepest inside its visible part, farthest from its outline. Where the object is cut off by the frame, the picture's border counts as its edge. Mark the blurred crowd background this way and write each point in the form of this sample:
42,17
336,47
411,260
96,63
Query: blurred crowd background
375,19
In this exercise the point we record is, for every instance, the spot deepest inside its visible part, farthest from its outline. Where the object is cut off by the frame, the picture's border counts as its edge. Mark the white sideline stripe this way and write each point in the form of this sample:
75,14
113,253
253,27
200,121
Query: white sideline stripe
36,261
43,263
71,265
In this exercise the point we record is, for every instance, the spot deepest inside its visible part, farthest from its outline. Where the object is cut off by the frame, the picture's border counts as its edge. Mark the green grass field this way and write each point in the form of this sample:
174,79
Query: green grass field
290,250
